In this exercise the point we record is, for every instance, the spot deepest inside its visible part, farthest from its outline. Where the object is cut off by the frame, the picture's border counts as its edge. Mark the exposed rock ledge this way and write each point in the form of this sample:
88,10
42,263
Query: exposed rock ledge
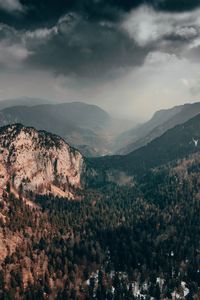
38,161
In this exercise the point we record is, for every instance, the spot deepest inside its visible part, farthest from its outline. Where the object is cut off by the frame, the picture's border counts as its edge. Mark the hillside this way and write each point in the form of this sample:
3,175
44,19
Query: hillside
174,144
159,124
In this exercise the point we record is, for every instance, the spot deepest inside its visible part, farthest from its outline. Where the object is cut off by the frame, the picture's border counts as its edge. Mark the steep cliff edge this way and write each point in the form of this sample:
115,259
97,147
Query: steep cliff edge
38,162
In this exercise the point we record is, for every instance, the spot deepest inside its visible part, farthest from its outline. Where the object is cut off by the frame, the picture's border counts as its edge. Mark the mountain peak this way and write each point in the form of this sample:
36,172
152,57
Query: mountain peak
38,162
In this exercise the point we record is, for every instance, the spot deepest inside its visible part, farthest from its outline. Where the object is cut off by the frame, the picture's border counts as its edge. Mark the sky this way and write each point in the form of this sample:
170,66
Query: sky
131,57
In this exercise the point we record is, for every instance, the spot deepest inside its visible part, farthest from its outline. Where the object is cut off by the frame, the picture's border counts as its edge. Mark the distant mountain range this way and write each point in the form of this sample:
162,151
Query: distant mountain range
43,163
80,124
175,143
88,127
27,101
156,126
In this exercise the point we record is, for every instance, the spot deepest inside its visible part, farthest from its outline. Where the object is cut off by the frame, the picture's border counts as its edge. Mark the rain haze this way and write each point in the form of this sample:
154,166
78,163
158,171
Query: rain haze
129,57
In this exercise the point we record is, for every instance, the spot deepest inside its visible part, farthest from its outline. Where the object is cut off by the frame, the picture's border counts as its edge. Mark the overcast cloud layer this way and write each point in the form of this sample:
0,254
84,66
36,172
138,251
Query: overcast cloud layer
130,57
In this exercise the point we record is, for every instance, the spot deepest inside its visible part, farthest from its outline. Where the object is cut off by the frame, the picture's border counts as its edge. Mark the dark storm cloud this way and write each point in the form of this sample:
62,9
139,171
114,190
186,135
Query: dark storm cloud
84,48
174,5
46,12
86,38
163,5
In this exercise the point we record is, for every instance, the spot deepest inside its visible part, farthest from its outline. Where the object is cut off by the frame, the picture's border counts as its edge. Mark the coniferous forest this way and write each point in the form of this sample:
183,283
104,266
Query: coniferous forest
139,242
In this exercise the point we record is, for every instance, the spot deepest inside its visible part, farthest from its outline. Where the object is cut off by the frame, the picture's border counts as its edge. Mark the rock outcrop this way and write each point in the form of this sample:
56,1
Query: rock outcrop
39,162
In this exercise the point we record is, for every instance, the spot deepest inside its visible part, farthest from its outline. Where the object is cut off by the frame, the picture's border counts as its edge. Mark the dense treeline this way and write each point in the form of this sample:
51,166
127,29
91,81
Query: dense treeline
116,243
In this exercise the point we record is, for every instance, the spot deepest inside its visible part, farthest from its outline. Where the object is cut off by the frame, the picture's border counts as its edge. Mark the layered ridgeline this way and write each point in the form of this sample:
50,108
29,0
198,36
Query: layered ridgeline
24,101
88,127
38,162
44,163
82,125
176,143
161,121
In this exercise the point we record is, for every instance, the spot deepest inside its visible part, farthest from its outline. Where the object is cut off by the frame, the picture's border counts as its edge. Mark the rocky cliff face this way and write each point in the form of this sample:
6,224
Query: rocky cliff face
38,161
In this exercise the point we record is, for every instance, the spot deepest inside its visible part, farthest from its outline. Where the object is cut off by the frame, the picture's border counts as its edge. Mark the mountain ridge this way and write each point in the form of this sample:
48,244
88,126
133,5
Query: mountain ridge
174,144
160,123
78,123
